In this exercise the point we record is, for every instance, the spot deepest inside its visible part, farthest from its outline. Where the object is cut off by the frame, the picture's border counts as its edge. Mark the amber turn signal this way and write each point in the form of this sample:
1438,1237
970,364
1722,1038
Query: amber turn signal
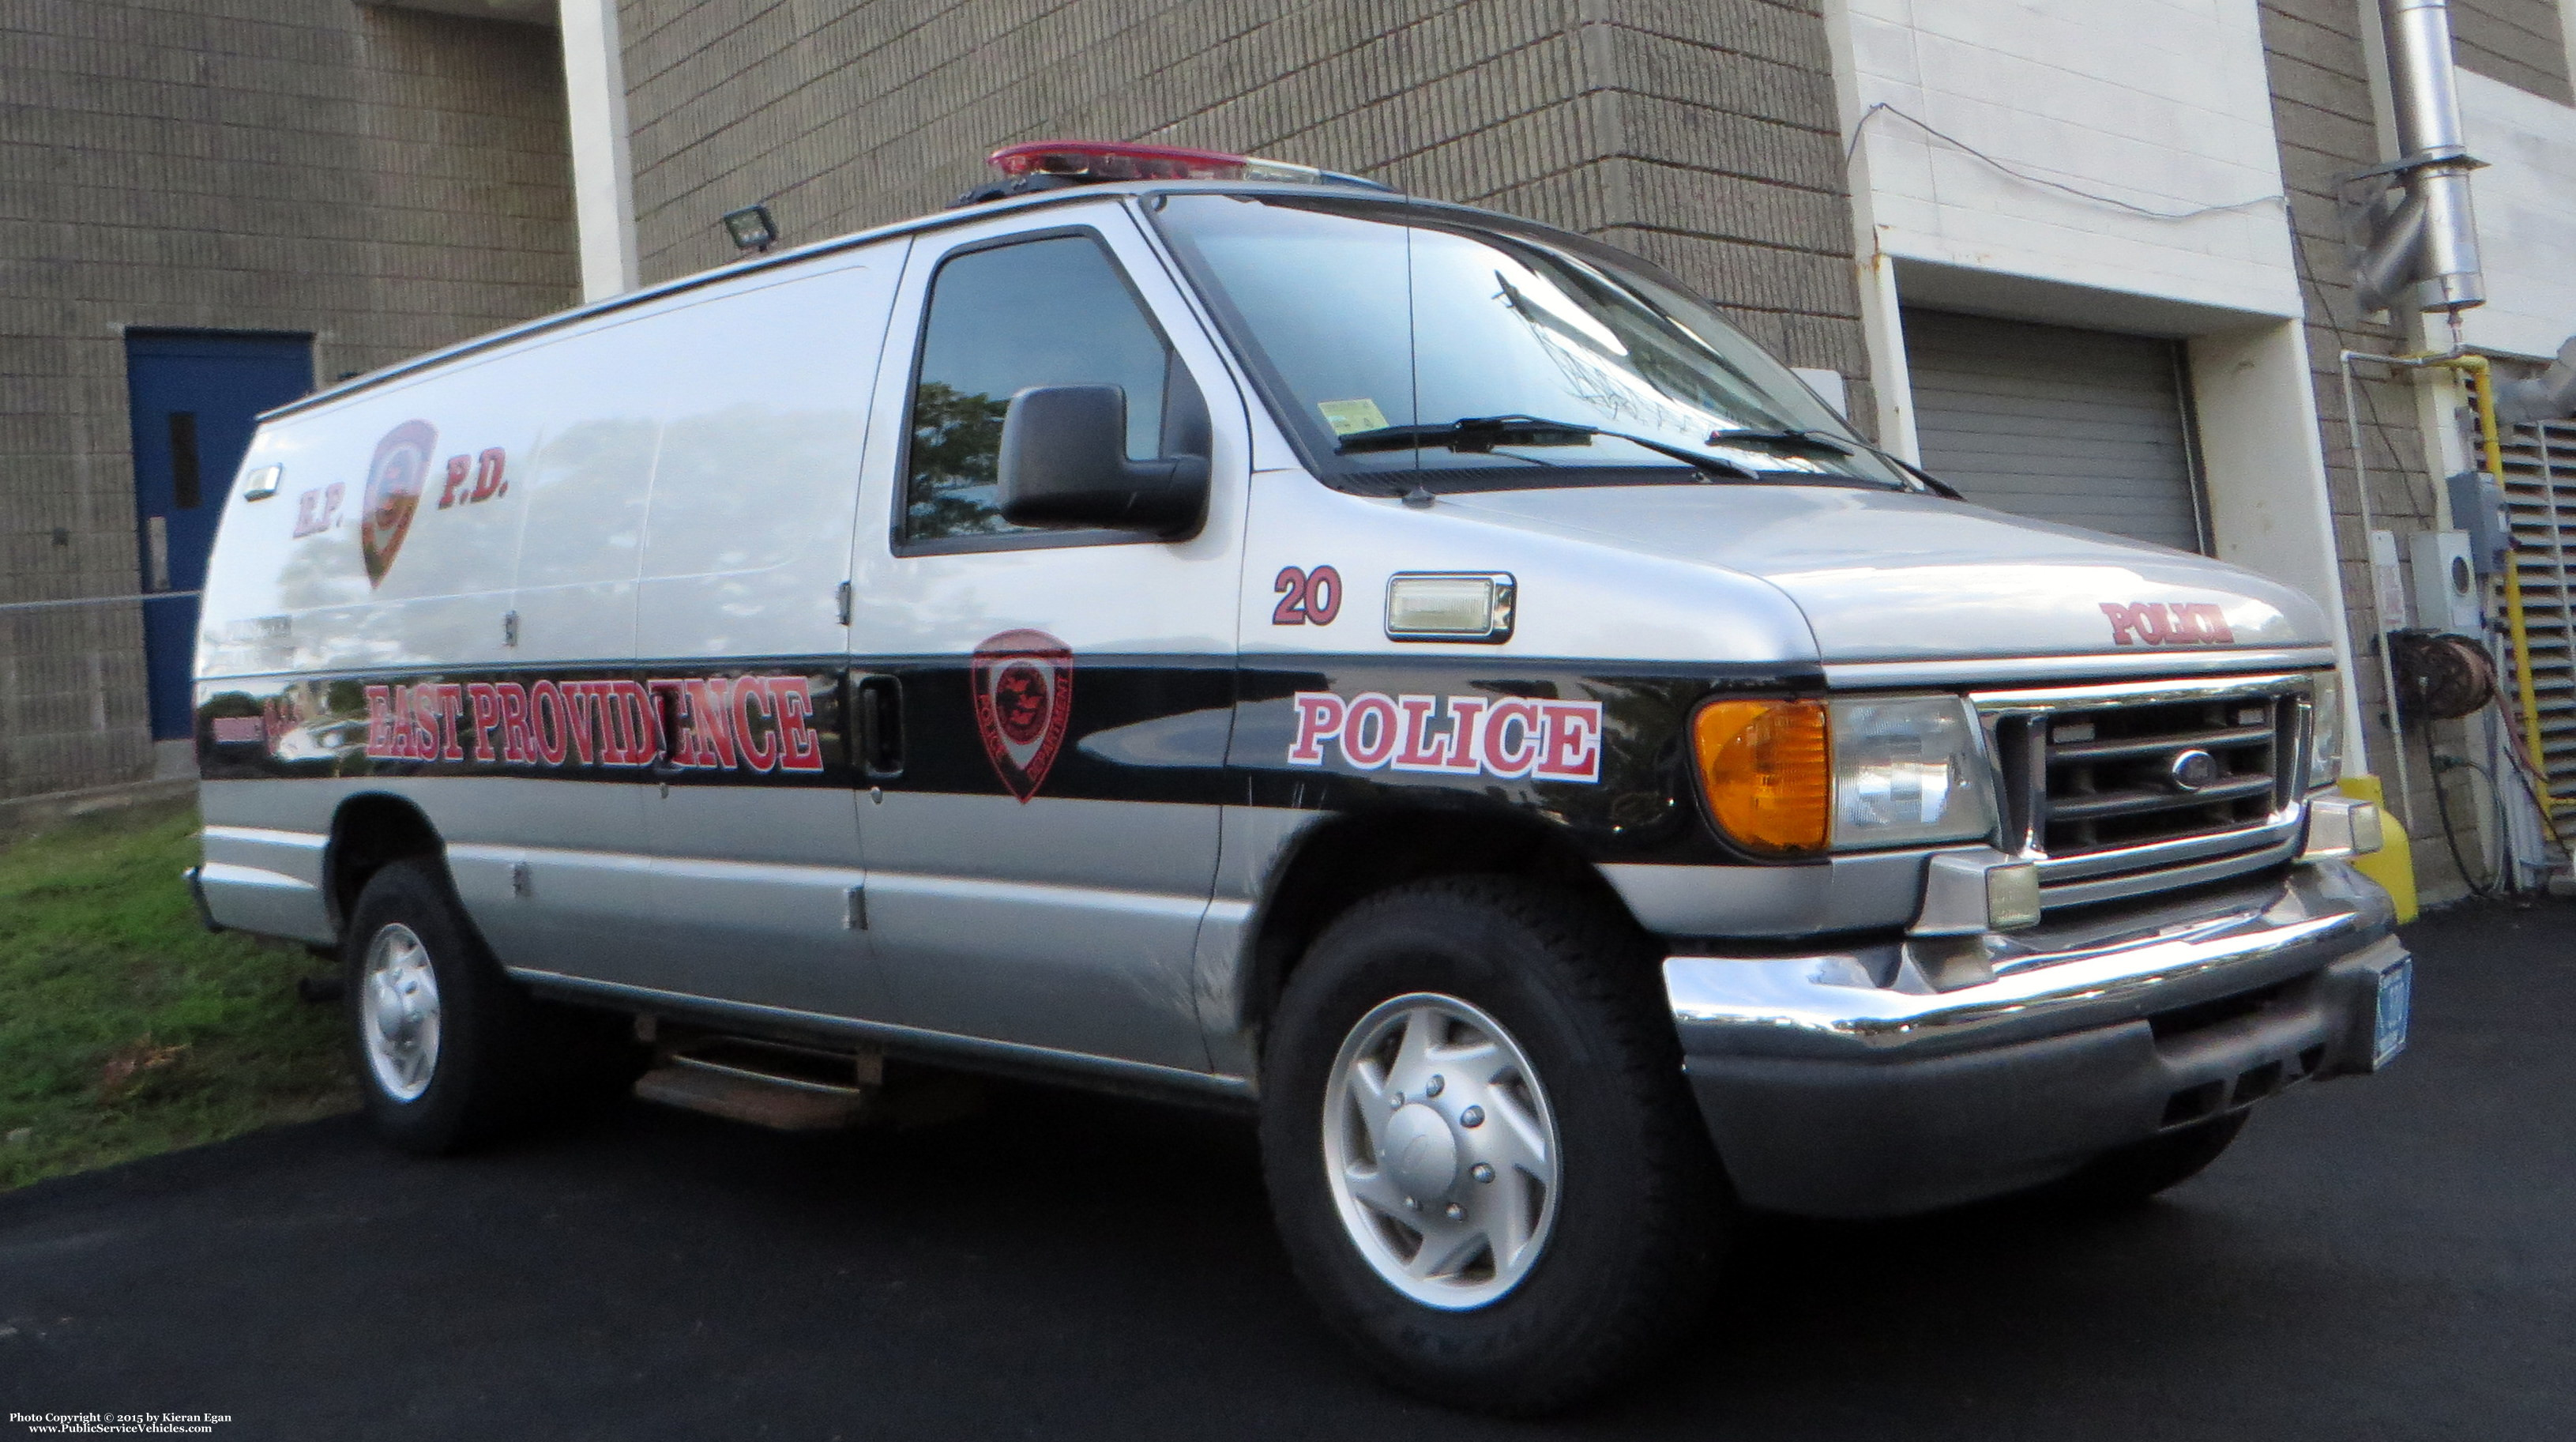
1767,769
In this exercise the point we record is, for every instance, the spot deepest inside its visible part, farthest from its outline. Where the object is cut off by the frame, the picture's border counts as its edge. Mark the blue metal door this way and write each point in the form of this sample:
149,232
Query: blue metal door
195,395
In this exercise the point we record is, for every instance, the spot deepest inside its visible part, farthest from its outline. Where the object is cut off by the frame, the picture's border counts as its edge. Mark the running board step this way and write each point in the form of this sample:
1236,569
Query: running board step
761,1102
785,1088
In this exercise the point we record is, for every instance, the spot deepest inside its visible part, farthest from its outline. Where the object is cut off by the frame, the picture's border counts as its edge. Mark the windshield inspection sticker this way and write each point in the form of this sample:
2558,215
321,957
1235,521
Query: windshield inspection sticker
1346,417
1506,736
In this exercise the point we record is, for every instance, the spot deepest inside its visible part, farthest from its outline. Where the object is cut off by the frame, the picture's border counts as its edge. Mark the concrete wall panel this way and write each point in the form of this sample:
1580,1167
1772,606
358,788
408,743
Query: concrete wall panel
2520,42
1701,132
2160,104
2526,205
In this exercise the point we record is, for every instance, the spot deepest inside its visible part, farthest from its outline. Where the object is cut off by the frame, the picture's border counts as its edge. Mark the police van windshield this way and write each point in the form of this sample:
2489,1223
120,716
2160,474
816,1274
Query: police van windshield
1412,347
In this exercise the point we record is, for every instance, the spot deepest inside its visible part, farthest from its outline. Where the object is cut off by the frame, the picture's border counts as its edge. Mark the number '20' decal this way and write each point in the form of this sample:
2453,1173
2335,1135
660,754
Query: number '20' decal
1307,596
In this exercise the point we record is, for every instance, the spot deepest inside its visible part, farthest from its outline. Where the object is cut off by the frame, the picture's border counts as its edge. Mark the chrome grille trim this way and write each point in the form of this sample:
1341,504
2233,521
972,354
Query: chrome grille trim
2109,888
2139,802
2260,799
2119,750
2278,831
2088,666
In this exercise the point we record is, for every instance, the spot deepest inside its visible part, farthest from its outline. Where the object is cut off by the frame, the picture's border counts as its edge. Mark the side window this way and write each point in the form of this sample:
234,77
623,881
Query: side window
1051,311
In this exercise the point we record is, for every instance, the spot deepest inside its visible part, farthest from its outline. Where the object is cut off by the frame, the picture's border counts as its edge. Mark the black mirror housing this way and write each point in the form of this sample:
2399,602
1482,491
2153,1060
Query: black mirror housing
1064,464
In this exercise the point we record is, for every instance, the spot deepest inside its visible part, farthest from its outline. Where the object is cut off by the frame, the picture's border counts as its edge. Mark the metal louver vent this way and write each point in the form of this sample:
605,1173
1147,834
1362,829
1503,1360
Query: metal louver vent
2540,492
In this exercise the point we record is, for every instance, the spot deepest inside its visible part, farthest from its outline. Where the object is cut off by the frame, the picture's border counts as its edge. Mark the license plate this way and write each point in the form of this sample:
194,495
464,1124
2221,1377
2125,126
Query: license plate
2396,1001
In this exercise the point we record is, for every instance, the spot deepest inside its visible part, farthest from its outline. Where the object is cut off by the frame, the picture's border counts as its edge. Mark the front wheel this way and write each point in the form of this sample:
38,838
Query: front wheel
1479,1146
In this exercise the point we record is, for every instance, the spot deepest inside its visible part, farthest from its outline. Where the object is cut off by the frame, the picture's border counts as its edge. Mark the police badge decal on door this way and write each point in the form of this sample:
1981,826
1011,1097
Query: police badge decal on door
1023,701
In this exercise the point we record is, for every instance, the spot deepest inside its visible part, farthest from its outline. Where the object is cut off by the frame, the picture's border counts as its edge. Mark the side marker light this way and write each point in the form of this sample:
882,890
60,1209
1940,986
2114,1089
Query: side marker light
1766,768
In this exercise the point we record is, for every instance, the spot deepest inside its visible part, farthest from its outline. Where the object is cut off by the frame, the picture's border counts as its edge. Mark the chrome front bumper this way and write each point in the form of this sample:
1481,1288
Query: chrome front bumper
1899,1076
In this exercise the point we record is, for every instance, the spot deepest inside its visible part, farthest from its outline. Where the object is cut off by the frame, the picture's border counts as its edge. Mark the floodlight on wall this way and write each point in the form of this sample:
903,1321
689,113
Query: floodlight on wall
751,228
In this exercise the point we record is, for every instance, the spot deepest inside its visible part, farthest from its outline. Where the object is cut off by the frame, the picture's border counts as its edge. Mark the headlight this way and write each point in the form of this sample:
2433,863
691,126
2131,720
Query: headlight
1790,777
2325,731
1907,772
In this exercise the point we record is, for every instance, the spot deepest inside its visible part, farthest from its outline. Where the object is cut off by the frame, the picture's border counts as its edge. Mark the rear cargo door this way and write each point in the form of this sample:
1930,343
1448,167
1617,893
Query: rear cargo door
741,641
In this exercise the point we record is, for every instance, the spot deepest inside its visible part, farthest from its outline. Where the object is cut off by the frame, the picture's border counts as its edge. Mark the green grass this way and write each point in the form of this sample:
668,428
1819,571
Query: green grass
126,1028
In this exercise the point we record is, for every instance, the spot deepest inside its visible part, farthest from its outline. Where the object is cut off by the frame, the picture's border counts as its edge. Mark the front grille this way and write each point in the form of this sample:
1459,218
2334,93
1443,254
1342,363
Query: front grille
2110,778
2135,780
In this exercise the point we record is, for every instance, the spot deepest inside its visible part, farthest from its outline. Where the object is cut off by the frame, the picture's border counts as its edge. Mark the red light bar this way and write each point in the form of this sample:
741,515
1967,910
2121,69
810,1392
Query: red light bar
1099,160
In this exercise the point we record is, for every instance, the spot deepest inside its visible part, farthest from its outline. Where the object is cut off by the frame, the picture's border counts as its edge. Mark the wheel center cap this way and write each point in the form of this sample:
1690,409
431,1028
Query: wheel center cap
1421,1151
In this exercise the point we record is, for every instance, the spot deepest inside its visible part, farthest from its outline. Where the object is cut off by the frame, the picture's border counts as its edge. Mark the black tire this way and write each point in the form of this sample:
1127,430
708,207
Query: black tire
2130,1175
483,1078
1641,1212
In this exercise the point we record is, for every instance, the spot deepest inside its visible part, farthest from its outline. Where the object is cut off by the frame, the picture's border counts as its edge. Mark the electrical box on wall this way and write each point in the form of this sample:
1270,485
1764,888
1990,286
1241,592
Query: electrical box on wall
2446,584
2477,507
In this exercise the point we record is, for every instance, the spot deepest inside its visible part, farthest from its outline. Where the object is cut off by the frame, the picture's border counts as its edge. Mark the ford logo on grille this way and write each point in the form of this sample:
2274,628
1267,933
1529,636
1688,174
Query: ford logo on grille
2192,770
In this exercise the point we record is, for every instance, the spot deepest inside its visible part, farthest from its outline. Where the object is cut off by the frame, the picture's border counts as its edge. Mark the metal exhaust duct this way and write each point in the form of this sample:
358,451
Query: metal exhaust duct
2417,244
2549,396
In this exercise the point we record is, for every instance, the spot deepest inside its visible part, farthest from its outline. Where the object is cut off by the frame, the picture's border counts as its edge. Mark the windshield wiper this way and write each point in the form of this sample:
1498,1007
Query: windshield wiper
1931,482
1837,445
1813,440
1475,435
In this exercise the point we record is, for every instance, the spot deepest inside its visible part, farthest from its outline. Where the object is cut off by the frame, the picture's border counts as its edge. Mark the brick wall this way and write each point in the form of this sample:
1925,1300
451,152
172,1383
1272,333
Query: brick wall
2321,109
1700,132
387,181
2520,42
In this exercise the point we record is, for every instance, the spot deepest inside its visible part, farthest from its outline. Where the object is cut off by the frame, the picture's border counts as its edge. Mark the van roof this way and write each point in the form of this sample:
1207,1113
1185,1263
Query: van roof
984,210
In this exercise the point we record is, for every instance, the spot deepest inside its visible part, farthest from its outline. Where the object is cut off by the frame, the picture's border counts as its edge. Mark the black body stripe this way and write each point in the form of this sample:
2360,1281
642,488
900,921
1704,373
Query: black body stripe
1201,730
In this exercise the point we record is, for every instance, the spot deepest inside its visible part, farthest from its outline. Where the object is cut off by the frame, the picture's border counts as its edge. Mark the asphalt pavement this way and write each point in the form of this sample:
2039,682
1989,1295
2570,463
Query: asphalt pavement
2378,1259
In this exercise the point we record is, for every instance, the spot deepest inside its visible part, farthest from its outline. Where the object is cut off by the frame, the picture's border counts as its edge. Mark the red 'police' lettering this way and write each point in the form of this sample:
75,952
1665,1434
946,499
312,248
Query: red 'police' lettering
2158,623
1506,736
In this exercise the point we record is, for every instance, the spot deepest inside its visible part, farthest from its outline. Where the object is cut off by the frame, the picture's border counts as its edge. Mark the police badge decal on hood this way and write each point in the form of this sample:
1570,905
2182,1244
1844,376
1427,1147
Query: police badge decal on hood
1023,701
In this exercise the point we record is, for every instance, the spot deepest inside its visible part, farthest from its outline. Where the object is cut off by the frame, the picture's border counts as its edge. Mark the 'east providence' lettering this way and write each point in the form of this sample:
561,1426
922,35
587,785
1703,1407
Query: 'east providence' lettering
750,723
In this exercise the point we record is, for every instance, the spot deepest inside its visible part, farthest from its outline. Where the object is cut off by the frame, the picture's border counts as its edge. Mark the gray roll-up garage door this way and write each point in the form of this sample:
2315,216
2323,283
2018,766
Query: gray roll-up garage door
2083,427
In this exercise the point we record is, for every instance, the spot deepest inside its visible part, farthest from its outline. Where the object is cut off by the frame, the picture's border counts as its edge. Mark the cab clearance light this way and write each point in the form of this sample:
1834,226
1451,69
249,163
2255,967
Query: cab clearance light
1102,161
1767,770
1443,606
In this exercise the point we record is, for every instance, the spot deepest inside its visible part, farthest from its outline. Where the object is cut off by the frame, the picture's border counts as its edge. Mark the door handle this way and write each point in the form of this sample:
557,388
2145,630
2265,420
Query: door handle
666,714
880,727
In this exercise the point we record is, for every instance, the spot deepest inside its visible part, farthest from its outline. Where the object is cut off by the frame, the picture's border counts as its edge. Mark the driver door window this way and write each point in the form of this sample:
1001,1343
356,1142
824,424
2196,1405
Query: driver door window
1055,310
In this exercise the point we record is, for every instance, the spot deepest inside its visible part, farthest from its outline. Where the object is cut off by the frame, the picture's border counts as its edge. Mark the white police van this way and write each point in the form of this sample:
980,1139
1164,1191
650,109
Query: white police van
1192,623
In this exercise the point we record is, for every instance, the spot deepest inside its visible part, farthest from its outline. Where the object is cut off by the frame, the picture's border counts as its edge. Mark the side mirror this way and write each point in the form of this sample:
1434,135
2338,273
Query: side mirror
1064,463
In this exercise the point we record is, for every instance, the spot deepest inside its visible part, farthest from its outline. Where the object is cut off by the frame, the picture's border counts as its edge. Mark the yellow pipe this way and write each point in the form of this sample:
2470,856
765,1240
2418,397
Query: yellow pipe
2482,383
